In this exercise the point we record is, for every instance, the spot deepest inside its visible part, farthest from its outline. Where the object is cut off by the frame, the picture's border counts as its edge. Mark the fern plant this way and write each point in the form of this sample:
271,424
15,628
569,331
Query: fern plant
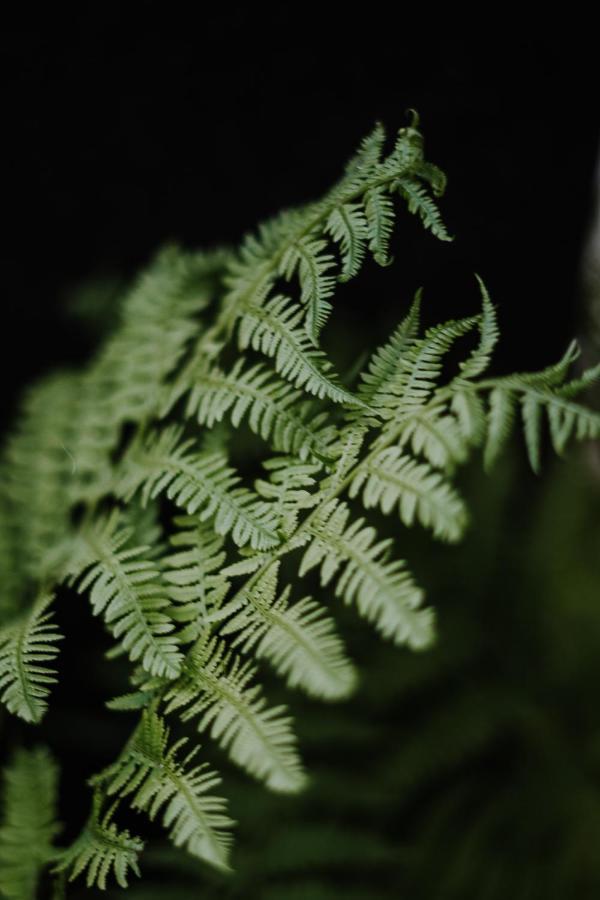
118,483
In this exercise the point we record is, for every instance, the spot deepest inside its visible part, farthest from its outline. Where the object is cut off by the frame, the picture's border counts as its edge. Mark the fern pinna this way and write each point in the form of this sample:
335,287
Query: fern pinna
118,482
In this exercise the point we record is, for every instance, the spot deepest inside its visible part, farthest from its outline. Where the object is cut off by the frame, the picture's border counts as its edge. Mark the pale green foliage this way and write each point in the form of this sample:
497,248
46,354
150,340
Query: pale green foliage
101,850
28,823
217,686
150,773
104,463
28,645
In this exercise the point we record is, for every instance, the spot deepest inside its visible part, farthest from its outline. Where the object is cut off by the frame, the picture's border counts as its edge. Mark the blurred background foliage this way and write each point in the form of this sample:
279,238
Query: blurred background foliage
472,770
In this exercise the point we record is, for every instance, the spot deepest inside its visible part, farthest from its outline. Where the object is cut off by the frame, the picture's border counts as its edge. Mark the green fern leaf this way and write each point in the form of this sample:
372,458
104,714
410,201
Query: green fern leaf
275,330
28,824
383,590
200,483
390,479
274,410
151,771
217,687
192,573
126,589
27,646
101,850
299,640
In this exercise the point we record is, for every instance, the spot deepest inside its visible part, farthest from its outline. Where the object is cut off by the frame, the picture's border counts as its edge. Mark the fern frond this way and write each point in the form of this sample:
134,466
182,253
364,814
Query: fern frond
274,410
541,396
479,360
424,206
275,330
391,478
101,850
398,394
27,647
299,640
160,782
216,686
126,589
379,215
317,285
383,590
357,212
200,483
193,575
383,367
28,825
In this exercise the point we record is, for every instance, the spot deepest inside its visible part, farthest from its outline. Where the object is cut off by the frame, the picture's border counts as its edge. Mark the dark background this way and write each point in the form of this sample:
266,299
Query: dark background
117,139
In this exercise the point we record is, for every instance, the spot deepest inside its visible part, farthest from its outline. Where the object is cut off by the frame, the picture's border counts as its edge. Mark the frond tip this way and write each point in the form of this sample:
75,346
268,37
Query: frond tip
101,850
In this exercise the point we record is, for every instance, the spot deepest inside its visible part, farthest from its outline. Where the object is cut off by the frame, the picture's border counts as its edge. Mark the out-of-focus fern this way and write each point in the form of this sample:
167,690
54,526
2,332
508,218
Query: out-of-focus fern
28,823
118,482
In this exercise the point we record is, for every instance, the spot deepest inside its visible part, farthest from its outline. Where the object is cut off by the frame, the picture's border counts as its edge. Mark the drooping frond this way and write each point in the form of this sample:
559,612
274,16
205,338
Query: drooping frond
298,639
217,687
193,575
101,850
200,483
420,202
273,408
382,588
126,589
28,823
479,360
390,478
274,329
540,397
357,215
157,781
28,646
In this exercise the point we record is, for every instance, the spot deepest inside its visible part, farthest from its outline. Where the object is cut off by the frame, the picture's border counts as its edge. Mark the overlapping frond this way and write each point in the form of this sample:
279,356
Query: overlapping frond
193,573
28,647
275,330
127,590
382,589
274,410
299,639
391,478
101,850
150,773
217,687
199,483
355,217
28,822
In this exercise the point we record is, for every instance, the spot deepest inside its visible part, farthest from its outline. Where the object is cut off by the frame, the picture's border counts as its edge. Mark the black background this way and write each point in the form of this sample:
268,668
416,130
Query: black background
117,139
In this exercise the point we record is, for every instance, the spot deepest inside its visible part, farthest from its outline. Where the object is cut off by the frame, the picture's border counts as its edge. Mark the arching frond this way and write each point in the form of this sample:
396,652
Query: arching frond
126,589
298,639
274,329
200,483
28,823
217,687
383,590
28,647
390,478
356,215
193,573
101,850
273,408
151,774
